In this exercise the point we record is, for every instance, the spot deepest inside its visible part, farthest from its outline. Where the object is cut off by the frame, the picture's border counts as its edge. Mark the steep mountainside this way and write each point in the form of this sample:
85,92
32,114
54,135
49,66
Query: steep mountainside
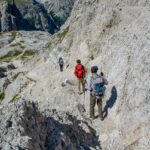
33,15
114,35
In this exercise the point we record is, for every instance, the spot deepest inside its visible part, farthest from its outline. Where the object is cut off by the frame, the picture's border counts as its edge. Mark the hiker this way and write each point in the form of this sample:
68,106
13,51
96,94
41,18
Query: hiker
96,87
80,72
61,63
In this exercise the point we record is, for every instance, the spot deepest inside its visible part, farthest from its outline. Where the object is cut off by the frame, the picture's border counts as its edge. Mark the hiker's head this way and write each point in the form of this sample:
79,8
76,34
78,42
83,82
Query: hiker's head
78,61
60,58
94,69
102,74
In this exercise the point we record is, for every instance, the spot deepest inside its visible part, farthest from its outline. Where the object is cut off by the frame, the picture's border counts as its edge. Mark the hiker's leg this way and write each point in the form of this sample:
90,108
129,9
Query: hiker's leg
99,104
92,105
61,68
83,84
79,85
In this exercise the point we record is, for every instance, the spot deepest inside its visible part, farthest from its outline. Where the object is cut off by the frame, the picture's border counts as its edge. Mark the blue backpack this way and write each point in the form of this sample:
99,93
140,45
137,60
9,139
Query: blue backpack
98,86
99,89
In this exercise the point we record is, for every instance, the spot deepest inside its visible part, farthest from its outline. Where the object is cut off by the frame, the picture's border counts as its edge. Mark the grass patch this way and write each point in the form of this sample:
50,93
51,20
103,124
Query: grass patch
16,54
63,33
15,98
27,53
10,55
48,45
18,44
1,33
15,44
16,75
2,96
13,34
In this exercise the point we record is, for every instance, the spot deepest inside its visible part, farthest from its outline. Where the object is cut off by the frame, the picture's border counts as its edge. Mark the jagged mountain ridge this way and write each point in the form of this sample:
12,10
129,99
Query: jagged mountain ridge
26,15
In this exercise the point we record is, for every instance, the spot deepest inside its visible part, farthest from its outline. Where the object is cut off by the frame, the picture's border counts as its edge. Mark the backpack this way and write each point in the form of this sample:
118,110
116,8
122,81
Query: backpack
80,71
61,62
98,86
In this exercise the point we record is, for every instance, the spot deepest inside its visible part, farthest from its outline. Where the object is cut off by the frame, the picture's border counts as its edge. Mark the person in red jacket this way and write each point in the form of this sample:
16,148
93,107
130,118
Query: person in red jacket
80,72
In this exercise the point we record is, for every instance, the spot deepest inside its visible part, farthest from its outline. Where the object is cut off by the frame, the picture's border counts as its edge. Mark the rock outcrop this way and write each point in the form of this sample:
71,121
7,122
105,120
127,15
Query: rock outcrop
23,126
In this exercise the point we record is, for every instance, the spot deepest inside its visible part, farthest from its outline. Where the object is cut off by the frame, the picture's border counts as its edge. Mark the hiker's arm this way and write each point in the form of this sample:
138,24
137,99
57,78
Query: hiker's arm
63,62
105,81
89,85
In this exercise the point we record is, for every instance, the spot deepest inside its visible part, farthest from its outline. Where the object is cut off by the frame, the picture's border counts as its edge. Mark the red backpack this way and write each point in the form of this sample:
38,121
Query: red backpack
80,71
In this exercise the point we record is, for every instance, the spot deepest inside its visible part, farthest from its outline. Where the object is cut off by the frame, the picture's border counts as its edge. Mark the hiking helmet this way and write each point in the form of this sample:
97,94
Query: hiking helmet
78,61
94,69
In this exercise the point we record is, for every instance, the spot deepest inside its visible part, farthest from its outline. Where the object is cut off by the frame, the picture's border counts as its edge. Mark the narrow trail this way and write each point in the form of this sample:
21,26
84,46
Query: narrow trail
68,96
83,102
103,128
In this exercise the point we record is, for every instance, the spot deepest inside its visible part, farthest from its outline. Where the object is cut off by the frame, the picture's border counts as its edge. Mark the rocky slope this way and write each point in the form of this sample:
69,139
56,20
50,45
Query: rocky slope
25,127
29,15
111,34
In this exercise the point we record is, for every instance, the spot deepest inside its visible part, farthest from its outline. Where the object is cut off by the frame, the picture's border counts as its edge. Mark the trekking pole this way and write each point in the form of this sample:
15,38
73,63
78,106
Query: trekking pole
84,90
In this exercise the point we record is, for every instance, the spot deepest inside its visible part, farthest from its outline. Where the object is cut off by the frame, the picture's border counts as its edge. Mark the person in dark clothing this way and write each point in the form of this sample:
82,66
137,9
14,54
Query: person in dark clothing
96,87
61,64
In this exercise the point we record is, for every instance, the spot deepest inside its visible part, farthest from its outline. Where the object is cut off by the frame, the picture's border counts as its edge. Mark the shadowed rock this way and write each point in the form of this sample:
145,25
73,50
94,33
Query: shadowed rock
34,130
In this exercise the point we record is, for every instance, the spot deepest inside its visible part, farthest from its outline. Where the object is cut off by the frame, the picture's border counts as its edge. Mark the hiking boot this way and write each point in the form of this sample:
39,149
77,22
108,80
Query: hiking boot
80,93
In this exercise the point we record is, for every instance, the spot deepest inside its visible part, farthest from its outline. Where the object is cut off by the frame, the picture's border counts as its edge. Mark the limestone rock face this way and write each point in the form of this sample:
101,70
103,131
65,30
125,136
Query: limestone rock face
114,35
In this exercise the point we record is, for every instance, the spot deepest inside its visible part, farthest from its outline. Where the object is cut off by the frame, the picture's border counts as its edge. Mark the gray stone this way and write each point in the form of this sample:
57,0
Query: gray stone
7,147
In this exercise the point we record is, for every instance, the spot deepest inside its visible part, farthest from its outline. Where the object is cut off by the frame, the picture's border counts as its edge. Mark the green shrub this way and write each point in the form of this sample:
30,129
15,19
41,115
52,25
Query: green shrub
63,33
